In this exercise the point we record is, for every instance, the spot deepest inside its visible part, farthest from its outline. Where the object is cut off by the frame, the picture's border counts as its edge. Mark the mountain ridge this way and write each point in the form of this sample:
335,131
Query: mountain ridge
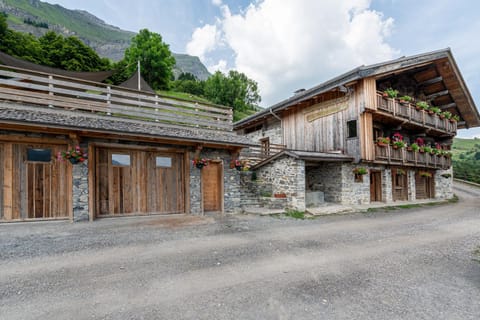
109,41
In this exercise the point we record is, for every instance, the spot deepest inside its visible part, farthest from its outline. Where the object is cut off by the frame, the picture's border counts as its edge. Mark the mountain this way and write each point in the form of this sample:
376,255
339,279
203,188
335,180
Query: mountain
37,17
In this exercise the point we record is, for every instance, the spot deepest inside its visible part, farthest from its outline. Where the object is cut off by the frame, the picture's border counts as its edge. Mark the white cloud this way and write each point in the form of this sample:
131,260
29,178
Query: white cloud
298,43
220,66
204,40
217,2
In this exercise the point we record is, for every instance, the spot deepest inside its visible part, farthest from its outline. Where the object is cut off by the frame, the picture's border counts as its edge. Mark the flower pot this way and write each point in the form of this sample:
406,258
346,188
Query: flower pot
381,144
409,149
279,195
199,165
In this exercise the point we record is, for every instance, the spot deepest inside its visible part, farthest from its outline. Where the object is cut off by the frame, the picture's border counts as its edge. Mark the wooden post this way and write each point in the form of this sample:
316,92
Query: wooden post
8,182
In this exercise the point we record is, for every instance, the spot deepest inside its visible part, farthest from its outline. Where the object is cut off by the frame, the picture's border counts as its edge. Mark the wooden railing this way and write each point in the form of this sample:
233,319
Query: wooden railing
257,154
401,156
409,112
54,91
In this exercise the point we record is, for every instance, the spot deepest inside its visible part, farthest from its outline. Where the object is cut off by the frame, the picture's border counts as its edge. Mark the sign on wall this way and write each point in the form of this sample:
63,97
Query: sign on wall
326,108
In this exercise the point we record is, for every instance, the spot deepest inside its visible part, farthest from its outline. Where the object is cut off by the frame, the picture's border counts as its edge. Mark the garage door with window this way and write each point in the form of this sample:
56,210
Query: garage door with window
34,185
132,182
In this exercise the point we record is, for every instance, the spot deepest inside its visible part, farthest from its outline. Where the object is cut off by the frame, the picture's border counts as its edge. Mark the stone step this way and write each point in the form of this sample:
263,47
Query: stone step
262,211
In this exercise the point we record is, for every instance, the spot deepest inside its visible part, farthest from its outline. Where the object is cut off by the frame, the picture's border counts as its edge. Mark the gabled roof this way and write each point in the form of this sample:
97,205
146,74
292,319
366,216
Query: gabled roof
468,111
10,61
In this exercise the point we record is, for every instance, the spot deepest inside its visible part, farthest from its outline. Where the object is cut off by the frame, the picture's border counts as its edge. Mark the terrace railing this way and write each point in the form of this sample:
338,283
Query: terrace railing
401,156
409,112
257,154
54,91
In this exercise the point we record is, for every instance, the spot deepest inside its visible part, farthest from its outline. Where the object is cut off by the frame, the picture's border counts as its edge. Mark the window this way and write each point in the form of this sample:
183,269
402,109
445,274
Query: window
352,128
39,155
165,162
265,142
121,160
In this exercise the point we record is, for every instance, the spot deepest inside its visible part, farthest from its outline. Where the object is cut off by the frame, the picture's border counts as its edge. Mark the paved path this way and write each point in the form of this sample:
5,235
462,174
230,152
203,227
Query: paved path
407,264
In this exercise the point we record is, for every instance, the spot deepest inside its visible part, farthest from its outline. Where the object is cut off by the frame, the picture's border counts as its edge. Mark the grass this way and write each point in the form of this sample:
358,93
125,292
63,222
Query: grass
476,254
183,95
295,214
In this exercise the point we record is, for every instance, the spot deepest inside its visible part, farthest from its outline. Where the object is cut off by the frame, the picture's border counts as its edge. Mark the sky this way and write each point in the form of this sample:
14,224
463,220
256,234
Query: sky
286,45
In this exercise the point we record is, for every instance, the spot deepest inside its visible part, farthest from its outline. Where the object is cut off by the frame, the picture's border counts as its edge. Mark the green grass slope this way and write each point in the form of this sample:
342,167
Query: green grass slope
466,159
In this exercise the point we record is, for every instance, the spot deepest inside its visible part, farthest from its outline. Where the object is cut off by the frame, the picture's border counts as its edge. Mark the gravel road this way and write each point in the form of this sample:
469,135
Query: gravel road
403,264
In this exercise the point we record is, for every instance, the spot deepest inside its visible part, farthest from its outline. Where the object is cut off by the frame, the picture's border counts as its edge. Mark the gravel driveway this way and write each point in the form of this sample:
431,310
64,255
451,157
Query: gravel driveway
403,264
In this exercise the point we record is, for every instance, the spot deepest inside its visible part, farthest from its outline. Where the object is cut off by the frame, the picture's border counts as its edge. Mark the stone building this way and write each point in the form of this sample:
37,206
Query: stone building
378,133
72,148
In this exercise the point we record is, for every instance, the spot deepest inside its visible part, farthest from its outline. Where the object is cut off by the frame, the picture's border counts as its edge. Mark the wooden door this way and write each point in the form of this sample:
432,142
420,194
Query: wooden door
399,184
138,182
34,188
212,187
375,186
424,186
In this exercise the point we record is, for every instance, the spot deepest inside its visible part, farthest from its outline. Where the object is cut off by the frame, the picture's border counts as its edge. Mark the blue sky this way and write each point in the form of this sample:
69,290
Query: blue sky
289,44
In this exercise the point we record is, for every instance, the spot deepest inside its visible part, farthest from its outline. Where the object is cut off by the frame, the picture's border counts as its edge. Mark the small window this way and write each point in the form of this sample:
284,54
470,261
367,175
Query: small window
352,128
164,162
39,155
121,160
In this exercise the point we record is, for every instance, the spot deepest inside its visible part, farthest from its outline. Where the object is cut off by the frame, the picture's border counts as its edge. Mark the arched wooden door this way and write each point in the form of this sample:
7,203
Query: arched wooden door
212,186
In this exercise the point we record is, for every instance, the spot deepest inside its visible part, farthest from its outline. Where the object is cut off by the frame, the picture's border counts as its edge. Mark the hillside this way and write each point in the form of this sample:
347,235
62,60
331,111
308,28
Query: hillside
37,17
466,159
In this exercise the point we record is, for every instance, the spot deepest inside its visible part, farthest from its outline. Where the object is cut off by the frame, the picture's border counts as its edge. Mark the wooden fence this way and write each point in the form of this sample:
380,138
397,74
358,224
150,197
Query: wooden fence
54,91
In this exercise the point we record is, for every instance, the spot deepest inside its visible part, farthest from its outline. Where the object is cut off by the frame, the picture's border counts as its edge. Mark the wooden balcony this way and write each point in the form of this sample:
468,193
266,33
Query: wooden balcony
63,93
389,155
408,112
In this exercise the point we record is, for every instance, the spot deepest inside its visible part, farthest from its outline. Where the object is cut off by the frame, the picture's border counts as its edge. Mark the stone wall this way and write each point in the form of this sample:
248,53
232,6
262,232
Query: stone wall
231,182
287,178
326,177
80,191
412,195
387,194
272,129
444,184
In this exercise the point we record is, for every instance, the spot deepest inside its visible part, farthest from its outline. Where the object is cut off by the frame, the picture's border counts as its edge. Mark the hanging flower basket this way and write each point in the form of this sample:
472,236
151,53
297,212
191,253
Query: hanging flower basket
383,141
200,163
75,155
425,174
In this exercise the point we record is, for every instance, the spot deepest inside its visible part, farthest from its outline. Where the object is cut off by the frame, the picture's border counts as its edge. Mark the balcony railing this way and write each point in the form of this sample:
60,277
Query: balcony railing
409,112
389,155
257,154
58,92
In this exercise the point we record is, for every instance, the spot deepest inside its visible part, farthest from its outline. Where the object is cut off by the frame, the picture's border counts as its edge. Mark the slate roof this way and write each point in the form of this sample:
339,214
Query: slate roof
75,121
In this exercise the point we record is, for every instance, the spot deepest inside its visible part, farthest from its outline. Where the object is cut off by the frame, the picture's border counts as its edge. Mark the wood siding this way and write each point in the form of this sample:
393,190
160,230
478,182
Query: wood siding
33,190
302,131
424,187
141,187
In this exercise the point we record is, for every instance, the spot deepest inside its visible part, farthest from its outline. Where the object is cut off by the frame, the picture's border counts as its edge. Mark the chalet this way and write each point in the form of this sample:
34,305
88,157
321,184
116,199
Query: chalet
378,133
74,148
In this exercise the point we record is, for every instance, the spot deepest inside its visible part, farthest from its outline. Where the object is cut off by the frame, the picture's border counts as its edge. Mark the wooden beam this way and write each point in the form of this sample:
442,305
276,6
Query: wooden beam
8,181
448,106
430,81
437,94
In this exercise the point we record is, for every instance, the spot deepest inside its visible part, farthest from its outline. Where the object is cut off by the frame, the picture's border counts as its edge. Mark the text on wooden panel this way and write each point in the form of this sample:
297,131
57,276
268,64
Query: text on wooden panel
326,108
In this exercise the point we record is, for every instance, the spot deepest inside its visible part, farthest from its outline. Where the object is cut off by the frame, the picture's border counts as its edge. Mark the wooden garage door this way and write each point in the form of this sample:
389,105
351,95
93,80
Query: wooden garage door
34,184
139,182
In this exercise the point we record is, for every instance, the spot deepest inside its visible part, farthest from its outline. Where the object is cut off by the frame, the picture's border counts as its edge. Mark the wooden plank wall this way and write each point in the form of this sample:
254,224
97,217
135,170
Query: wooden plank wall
33,190
142,187
324,134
